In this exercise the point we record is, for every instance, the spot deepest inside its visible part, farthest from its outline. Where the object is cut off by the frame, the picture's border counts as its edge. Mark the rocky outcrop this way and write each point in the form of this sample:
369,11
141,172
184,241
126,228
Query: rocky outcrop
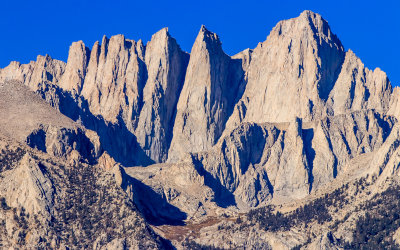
386,162
358,88
212,85
29,119
66,143
171,193
43,70
301,60
115,78
166,67
28,187
75,71
339,139
396,236
325,241
39,195
260,162
24,111
394,106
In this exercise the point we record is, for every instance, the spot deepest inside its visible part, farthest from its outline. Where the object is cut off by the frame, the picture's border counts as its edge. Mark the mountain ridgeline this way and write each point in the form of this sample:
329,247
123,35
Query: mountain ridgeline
204,133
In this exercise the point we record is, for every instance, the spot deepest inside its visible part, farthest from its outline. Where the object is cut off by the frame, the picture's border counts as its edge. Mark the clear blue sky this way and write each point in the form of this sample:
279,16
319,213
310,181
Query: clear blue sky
28,28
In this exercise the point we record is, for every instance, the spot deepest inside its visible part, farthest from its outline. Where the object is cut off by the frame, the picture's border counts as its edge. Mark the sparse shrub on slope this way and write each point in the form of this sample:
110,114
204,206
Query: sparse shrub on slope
317,210
375,230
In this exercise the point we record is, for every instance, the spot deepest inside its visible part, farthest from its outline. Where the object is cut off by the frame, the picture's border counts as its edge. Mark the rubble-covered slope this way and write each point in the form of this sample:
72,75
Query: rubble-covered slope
49,203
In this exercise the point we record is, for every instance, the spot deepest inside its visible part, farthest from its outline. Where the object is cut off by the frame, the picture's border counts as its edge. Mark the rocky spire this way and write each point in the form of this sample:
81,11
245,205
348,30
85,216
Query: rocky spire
75,71
166,67
115,80
206,98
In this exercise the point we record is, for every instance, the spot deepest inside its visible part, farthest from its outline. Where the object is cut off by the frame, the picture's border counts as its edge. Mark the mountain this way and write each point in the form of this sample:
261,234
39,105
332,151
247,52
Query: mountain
292,144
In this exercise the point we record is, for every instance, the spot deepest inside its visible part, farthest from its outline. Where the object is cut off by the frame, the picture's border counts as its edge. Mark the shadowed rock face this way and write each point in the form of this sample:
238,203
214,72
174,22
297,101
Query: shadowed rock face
359,88
257,162
209,93
166,66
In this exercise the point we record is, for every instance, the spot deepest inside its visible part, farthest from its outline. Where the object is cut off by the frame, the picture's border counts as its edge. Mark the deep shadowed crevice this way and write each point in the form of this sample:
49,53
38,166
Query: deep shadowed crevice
269,185
223,197
346,143
308,135
335,161
352,90
154,206
327,52
167,245
37,139
234,88
49,77
127,44
170,123
141,83
384,124
366,95
326,88
116,139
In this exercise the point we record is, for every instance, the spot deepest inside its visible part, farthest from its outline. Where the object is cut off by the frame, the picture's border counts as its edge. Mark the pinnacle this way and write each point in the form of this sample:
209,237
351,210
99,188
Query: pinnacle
309,13
203,29
163,33
313,24
206,32
208,37
311,17
104,39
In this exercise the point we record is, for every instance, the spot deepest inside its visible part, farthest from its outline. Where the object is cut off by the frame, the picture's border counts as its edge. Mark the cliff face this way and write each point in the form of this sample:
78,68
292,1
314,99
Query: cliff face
166,67
115,79
119,83
301,60
211,88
